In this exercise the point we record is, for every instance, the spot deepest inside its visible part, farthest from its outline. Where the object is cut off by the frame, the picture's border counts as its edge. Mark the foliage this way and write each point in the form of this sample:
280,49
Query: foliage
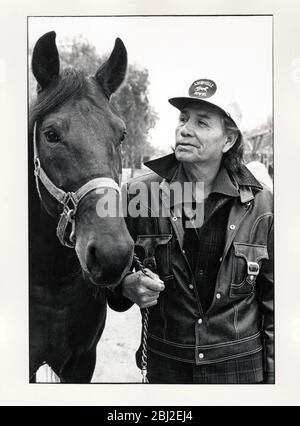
132,102
78,53
259,144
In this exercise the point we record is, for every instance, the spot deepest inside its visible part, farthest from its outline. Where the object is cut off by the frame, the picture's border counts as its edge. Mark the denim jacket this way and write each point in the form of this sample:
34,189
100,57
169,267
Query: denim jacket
240,318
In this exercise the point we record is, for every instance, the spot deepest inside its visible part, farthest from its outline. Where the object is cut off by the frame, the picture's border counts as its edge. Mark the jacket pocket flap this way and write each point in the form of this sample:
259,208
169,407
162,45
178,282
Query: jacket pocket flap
251,252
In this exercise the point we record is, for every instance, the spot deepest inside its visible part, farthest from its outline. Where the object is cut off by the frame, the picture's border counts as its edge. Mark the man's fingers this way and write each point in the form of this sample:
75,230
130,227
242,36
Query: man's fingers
148,304
151,293
152,275
148,297
154,284
141,289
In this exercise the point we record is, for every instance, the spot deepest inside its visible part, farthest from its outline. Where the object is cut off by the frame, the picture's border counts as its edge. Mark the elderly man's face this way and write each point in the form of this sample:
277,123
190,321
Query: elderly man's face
200,135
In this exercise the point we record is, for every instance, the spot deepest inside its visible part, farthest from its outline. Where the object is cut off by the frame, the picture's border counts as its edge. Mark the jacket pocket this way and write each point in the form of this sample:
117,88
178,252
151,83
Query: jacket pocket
247,261
155,252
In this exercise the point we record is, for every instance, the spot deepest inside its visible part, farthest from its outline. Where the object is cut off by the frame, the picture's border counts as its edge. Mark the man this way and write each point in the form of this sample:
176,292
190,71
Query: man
209,285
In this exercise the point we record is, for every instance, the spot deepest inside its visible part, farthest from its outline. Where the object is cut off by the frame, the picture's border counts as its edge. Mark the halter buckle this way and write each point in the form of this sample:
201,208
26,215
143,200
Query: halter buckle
66,236
37,166
70,205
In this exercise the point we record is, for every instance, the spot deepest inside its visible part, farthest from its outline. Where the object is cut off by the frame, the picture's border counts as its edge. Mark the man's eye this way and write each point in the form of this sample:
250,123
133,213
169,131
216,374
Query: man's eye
182,119
202,123
52,136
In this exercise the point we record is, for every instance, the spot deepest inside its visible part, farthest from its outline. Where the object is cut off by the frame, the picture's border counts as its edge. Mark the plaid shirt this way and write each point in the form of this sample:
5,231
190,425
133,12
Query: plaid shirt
244,370
204,246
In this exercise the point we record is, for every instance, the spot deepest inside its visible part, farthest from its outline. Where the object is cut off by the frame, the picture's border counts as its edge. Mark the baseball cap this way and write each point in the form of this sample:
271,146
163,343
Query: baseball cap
206,91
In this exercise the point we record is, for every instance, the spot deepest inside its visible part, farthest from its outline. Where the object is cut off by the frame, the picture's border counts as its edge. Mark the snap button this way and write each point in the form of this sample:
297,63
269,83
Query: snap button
232,226
200,321
218,296
251,277
221,258
201,355
191,286
183,251
174,218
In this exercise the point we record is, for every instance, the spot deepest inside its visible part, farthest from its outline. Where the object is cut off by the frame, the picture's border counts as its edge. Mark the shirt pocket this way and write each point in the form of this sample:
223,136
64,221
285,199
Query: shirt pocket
155,253
247,259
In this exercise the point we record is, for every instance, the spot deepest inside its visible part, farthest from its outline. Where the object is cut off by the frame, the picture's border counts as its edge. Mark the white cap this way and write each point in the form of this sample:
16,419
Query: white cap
206,90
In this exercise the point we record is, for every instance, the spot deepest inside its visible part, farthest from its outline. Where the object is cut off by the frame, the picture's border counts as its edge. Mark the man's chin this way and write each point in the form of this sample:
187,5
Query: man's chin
184,156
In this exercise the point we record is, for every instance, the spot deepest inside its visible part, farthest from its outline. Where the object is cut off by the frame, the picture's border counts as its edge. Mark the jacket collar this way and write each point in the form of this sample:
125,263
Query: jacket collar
168,166
164,166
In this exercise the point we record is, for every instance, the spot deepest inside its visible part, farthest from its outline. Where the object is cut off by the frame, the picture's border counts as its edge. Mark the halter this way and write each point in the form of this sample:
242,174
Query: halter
69,200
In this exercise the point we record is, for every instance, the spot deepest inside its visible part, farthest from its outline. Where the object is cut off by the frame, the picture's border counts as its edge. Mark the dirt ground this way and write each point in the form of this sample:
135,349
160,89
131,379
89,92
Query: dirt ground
117,347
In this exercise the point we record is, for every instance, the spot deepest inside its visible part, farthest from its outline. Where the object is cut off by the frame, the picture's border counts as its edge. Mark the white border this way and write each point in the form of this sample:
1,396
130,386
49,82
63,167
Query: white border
14,387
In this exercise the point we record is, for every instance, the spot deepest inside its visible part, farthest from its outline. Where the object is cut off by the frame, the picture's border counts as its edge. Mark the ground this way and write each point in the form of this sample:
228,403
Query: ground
117,347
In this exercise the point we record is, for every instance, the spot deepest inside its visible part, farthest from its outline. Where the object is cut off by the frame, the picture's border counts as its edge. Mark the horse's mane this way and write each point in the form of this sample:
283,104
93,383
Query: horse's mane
70,84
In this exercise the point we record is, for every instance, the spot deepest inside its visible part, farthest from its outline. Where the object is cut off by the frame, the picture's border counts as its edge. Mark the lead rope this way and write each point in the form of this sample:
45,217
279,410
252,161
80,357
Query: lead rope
145,315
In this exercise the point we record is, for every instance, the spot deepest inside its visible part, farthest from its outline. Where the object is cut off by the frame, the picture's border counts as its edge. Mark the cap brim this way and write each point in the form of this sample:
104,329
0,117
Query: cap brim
182,102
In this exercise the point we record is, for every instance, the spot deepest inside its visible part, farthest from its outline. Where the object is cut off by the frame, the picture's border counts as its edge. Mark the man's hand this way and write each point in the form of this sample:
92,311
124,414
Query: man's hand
142,289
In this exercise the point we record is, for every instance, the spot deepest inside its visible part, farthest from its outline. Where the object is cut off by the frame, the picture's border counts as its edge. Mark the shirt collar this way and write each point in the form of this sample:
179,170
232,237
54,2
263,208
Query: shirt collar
168,168
222,183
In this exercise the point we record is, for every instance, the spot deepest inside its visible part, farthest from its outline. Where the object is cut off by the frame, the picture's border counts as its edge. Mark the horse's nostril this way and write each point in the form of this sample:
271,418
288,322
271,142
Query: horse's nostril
93,259
93,253
107,266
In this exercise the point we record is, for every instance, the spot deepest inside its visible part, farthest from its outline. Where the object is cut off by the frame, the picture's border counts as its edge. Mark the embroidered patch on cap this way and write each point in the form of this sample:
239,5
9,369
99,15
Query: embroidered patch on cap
202,88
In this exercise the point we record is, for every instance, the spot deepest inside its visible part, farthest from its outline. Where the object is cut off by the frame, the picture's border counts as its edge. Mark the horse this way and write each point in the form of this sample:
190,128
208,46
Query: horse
74,153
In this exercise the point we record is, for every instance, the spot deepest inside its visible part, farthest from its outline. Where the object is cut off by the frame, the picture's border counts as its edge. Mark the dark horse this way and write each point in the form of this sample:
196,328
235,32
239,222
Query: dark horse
74,150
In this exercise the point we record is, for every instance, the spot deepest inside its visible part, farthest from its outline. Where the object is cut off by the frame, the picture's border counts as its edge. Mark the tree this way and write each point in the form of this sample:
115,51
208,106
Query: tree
131,100
79,53
259,144
133,103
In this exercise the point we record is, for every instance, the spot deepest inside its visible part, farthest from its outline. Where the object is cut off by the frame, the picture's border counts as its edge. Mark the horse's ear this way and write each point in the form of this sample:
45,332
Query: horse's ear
112,73
45,60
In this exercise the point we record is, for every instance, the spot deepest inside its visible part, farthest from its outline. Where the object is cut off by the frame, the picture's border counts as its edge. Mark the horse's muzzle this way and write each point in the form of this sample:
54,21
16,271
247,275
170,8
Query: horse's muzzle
107,264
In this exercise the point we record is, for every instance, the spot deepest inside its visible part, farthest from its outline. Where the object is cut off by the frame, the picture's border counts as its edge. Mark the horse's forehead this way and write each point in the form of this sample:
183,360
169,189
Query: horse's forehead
89,106
83,109
87,103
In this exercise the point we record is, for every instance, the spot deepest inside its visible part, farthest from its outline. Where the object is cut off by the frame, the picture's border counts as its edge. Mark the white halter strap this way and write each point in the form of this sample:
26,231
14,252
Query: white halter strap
69,200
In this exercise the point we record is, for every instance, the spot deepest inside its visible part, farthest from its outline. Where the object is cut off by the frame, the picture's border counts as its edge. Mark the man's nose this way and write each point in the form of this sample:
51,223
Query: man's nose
186,130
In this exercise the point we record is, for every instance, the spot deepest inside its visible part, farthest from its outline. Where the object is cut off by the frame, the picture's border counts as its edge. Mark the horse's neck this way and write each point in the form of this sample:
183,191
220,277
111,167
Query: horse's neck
50,261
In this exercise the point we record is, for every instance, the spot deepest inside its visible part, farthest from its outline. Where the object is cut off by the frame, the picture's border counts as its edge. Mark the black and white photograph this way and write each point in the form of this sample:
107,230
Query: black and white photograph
149,206
188,273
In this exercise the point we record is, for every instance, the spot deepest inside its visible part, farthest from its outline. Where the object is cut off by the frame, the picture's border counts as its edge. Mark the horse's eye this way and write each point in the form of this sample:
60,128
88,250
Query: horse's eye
52,136
123,136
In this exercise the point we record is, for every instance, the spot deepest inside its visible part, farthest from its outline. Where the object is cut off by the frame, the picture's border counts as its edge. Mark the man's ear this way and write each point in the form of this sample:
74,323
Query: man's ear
231,139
